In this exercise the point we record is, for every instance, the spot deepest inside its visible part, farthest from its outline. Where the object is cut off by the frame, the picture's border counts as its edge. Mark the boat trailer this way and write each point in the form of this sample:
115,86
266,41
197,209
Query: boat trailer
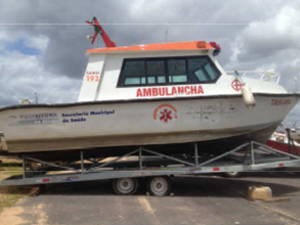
157,167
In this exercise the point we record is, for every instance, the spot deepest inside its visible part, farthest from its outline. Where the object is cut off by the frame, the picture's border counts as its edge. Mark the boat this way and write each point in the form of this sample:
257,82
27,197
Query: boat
164,95
285,141
295,134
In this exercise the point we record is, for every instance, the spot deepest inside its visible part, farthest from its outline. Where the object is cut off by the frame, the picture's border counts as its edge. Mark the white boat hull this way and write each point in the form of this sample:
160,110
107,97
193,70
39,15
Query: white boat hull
39,128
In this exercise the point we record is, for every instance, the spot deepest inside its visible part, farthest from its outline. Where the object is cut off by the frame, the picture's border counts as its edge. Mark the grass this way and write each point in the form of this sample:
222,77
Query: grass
10,195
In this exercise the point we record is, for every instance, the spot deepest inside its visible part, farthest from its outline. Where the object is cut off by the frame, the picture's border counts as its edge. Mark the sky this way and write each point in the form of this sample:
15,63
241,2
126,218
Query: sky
43,43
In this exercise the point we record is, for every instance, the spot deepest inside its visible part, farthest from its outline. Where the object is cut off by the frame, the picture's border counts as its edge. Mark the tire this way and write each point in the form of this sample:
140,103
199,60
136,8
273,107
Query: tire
125,186
159,186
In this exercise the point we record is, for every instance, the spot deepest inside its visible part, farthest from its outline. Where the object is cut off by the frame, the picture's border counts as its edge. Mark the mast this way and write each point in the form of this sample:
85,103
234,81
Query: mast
98,29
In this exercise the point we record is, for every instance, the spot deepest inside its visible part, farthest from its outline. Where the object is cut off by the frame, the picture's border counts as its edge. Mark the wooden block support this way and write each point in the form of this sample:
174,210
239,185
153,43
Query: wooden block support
263,193
3,145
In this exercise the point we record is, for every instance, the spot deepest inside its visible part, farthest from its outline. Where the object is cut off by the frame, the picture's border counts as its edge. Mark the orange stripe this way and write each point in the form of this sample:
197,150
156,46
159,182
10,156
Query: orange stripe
172,46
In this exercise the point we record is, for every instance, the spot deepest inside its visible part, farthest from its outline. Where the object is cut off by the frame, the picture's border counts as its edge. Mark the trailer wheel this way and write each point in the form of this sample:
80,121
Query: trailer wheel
159,186
125,186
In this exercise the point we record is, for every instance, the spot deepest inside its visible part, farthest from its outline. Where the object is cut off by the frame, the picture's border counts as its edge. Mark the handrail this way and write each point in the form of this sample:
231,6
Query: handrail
269,76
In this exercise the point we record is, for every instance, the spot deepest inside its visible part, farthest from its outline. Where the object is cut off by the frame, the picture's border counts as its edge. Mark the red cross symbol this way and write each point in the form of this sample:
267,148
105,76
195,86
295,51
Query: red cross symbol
237,85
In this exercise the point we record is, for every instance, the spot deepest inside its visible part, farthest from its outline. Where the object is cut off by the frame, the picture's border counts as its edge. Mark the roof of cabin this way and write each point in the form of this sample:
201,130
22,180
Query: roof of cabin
171,46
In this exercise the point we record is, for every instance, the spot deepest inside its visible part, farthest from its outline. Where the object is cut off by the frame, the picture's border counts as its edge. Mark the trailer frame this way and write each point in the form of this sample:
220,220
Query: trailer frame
248,157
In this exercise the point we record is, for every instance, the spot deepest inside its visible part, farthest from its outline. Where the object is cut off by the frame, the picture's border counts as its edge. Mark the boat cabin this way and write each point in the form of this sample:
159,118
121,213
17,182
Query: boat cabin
152,71
167,70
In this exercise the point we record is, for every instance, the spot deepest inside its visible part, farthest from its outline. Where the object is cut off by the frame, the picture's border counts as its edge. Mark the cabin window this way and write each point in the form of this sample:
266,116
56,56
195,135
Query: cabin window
168,71
202,70
156,71
177,71
134,73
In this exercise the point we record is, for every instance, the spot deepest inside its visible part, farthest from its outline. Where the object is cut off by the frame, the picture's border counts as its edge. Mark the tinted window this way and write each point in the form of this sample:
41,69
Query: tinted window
202,70
132,80
160,71
177,70
156,71
210,70
134,68
155,67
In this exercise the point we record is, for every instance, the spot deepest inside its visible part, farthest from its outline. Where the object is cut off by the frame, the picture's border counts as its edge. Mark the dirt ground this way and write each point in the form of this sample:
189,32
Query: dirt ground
10,195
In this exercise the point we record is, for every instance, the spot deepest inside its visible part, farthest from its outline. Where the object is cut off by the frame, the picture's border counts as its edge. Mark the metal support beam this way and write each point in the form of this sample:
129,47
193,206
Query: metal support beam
252,153
196,154
141,158
115,160
224,154
48,163
168,157
273,150
81,162
24,167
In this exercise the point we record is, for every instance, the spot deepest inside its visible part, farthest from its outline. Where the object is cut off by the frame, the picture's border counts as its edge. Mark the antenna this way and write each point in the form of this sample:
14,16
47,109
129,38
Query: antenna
296,83
36,98
99,30
167,32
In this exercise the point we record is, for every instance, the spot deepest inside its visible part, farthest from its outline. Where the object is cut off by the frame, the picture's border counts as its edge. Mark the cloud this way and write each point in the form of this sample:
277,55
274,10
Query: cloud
272,43
269,37
39,42
23,75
